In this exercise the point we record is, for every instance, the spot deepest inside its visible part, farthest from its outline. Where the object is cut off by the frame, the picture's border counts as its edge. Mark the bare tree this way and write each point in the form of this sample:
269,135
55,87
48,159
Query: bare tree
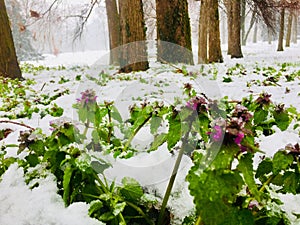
9,66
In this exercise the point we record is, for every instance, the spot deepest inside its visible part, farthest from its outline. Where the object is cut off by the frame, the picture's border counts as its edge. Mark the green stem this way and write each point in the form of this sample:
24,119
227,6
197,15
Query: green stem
172,178
198,222
266,183
122,219
101,183
140,211
109,125
135,132
87,124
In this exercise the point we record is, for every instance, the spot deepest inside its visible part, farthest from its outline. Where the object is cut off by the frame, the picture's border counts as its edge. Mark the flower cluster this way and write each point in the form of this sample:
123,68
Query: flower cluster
198,104
87,97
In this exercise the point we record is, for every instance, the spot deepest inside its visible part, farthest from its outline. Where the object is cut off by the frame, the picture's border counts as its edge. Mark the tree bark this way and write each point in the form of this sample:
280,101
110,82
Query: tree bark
281,31
236,30
202,41
214,41
243,21
295,27
113,29
228,5
255,33
173,32
133,49
9,66
289,29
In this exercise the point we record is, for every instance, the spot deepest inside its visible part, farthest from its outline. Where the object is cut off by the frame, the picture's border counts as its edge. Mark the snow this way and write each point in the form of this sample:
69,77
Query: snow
42,205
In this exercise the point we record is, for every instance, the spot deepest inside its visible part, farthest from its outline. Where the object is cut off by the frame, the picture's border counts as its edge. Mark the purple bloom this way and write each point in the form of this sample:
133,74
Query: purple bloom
195,103
88,96
239,138
253,204
217,134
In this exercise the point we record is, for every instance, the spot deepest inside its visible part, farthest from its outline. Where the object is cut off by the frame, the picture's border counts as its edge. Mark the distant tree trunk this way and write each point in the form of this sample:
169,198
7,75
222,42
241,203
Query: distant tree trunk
252,22
228,4
236,29
9,66
214,41
243,21
113,29
173,32
295,27
269,36
133,52
255,33
289,29
202,41
281,31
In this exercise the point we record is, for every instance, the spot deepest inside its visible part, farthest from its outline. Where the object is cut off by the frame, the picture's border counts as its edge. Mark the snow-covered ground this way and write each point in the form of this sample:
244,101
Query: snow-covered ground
42,205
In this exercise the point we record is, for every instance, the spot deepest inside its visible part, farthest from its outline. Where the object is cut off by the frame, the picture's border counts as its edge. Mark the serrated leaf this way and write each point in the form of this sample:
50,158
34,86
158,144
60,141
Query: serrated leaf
118,208
155,124
174,132
158,141
281,161
116,115
260,116
105,217
264,168
95,206
131,190
32,159
99,167
66,184
282,120
246,167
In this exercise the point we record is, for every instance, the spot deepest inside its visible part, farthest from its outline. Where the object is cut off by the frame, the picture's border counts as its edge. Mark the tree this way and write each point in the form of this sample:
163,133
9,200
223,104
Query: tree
209,44
289,29
173,32
9,66
113,29
133,49
281,29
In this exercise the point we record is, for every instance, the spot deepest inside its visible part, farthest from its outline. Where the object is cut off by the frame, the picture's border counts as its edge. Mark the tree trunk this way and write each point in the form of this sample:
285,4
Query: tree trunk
9,66
252,22
228,4
255,33
295,25
133,49
202,41
214,41
281,31
236,29
243,21
289,29
113,29
173,32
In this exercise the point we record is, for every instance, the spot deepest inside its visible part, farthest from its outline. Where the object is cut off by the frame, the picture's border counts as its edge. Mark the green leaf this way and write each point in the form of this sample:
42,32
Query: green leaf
95,206
158,141
260,116
281,161
32,159
105,217
66,184
264,168
155,123
115,114
282,119
118,208
82,114
291,182
99,167
131,190
174,132
246,167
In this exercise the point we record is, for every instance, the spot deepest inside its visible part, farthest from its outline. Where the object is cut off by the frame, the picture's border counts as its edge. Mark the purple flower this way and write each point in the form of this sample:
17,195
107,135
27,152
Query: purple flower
239,138
217,134
87,96
196,103
253,204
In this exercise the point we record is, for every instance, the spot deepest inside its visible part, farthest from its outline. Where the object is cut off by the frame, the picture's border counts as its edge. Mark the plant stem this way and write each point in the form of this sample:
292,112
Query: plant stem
266,183
198,222
87,124
135,132
140,211
109,125
173,176
16,123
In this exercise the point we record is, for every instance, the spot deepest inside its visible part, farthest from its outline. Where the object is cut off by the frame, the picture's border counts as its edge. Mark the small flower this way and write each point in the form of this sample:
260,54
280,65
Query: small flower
197,103
253,204
241,111
264,99
88,96
217,134
239,138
